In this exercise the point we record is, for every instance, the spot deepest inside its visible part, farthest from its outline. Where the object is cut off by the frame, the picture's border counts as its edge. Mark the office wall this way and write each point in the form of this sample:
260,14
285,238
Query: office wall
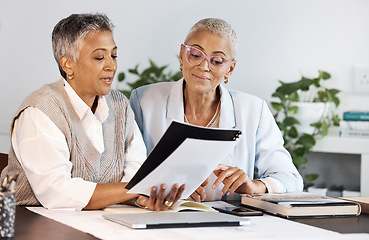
279,40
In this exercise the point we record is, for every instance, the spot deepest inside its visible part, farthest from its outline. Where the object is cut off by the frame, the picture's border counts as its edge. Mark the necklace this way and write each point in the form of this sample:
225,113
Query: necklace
212,120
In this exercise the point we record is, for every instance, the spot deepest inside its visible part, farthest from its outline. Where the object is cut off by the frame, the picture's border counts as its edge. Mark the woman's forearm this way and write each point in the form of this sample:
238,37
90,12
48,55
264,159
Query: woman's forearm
107,194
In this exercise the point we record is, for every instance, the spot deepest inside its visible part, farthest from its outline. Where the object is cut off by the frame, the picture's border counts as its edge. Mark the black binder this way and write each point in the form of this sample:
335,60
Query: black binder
173,137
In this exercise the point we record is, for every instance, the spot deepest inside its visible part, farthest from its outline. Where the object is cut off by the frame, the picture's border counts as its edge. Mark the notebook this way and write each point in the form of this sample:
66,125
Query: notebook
151,220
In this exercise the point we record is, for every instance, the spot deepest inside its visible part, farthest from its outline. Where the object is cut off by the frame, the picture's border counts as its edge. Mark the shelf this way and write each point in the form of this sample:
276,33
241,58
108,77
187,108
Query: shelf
333,143
336,144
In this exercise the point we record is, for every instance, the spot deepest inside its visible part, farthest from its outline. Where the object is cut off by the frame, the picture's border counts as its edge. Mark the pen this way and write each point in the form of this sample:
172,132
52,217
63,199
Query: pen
8,183
4,184
12,183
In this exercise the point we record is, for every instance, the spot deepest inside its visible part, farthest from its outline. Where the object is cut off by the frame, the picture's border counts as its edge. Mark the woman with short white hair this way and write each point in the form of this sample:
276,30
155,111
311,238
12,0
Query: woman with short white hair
207,58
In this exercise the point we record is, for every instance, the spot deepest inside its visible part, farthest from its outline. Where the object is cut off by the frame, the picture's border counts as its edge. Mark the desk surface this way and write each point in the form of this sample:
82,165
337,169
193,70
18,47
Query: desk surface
29,226
340,224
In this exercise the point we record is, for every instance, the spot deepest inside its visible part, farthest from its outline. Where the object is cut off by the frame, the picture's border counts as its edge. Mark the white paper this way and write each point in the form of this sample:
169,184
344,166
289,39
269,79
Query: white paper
191,163
262,228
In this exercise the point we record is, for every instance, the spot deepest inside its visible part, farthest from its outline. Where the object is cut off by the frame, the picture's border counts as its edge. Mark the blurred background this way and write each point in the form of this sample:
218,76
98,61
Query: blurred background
278,40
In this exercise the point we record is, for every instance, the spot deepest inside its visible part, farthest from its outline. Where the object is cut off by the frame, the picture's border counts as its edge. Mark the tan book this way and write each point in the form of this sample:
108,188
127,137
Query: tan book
301,205
363,201
180,205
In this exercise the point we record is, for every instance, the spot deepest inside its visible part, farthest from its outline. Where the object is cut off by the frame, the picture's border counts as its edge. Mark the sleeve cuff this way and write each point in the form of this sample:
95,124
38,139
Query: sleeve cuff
273,185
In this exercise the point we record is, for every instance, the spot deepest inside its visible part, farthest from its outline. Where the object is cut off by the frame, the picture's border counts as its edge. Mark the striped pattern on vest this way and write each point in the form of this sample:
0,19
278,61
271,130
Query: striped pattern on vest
87,162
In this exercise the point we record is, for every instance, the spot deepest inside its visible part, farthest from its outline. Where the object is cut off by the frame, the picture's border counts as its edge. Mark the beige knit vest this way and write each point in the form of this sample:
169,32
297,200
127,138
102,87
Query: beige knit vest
87,162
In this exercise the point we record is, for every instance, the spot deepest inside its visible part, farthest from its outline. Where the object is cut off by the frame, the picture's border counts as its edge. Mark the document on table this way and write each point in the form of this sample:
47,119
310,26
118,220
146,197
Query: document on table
186,154
262,227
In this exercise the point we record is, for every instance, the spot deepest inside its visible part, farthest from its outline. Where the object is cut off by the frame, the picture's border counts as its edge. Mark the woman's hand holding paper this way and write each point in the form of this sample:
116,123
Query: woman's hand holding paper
200,193
161,203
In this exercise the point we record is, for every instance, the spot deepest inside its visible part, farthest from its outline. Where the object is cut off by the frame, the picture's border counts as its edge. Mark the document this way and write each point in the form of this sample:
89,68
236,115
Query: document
186,154
93,223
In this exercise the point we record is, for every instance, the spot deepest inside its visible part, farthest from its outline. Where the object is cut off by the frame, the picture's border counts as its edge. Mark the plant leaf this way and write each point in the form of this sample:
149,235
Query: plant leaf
299,161
279,95
311,177
277,106
301,151
289,121
127,93
336,120
306,140
121,76
293,109
293,132
294,96
316,125
324,128
178,75
134,70
324,75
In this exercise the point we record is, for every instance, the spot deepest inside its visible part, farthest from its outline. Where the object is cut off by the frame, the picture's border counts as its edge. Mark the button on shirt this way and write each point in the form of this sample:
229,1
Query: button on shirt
44,154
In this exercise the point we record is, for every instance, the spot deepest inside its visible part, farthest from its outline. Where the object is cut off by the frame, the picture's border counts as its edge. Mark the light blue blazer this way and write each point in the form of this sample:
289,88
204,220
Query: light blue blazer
261,146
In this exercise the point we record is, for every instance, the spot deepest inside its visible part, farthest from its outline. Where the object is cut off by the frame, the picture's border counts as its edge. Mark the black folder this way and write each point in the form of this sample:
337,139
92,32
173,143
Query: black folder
173,137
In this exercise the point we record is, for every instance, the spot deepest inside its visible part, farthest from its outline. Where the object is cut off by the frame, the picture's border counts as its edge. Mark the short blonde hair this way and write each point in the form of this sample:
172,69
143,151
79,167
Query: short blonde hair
217,26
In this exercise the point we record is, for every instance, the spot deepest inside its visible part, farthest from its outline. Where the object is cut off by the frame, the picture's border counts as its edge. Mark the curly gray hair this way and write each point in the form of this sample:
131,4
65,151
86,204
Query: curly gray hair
217,26
69,32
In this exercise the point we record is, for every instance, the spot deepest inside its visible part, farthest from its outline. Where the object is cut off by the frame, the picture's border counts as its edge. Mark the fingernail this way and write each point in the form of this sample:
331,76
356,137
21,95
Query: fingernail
214,186
221,194
228,193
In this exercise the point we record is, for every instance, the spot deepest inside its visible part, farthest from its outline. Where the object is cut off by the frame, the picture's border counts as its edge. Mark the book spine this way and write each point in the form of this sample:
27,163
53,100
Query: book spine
356,116
354,133
355,125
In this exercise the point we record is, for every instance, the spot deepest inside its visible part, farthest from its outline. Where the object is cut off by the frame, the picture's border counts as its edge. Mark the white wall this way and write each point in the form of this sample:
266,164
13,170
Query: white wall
279,40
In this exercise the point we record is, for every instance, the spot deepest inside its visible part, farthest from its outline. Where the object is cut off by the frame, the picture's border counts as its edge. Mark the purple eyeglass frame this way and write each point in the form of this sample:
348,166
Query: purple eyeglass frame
205,57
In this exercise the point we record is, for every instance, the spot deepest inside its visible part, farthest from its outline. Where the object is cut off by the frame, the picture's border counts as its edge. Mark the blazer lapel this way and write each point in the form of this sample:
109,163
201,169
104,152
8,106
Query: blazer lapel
175,109
227,113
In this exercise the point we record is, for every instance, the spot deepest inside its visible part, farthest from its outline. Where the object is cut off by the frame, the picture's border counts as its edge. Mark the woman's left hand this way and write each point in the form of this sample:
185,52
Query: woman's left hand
199,194
236,180
161,203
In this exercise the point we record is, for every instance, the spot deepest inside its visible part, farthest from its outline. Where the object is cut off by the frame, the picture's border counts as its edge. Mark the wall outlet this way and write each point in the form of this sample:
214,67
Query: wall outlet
361,84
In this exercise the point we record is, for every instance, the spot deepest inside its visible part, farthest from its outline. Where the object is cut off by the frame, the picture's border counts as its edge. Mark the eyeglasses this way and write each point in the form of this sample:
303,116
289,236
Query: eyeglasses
195,57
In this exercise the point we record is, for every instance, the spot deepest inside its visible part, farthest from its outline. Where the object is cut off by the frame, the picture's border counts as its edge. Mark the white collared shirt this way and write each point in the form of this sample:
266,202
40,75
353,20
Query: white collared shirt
44,154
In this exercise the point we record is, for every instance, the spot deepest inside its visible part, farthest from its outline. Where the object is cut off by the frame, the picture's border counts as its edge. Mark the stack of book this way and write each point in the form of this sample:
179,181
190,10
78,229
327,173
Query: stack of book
301,205
355,124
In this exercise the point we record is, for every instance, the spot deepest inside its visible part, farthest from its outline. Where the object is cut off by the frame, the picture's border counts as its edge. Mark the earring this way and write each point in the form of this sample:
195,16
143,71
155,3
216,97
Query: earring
70,77
181,67
225,80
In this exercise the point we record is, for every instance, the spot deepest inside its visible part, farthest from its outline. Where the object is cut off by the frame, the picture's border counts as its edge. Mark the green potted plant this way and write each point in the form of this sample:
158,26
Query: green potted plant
296,103
152,74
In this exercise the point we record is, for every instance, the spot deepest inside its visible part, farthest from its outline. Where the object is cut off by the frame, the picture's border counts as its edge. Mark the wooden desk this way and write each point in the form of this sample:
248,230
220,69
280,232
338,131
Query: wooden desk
358,224
31,226
341,224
